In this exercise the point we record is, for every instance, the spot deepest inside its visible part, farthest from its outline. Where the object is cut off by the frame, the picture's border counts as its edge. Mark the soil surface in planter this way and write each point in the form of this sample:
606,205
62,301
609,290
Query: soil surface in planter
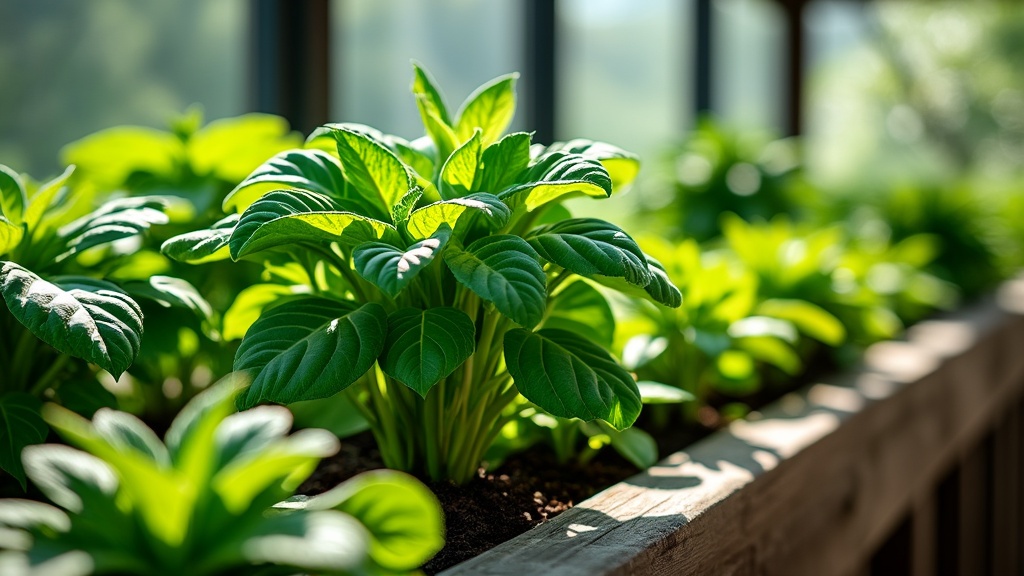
524,491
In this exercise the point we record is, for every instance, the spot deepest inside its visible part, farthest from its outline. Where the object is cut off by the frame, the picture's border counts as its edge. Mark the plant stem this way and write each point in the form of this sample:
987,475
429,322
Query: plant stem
50,376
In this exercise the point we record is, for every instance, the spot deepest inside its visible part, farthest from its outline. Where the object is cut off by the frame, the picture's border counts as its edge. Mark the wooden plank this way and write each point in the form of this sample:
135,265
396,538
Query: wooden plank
973,544
1006,530
815,484
924,551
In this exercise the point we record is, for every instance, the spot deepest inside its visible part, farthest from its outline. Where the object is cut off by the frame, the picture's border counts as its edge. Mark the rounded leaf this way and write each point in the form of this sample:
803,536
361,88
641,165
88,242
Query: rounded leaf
571,377
424,346
503,270
589,246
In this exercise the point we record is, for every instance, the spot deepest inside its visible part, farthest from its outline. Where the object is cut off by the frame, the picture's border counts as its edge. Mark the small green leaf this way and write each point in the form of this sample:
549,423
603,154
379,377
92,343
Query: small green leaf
85,318
13,198
810,319
460,170
337,414
426,221
622,166
10,235
424,346
404,518
489,108
202,246
285,218
433,112
309,170
372,170
571,377
44,198
555,177
503,161
115,220
582,309
170,292
310,348
505,271
657,393
772,351
20,426
392,269
633,444
588,246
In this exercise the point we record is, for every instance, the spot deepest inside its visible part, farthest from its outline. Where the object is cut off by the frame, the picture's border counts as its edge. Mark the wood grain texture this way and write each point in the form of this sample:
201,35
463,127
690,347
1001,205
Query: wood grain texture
815,482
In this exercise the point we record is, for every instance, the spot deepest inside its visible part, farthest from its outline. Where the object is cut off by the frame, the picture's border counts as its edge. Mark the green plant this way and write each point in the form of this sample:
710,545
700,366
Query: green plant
58,255
214,498
726,333
434,267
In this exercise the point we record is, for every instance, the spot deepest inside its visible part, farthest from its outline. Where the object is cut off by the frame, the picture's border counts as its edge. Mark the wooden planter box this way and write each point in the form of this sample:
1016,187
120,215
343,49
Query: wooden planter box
909,465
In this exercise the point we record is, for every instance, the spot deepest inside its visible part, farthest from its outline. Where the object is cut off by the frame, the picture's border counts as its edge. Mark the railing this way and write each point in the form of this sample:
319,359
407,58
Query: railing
910,465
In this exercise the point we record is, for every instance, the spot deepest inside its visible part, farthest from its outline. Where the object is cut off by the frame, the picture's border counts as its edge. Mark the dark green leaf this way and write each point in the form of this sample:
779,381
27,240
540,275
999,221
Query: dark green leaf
284,218
20,426
503,270
115,220
588,246
622,166
309,170
426,221
660,289
85,396
556,176
424,346
503,161
390,268
582,309
85,318
571,377
170,292
202,245
310,348
489,108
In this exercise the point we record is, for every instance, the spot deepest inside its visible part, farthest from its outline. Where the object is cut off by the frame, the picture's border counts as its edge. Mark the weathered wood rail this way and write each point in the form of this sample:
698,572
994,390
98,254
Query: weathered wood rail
910,465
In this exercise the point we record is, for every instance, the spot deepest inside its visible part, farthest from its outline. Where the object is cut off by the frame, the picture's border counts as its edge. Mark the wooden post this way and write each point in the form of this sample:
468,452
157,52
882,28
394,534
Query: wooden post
925,533
1006,534
974,523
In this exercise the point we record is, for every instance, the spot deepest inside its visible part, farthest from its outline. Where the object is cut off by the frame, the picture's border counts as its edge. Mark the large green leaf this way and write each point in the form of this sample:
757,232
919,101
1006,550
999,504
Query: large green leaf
20,426
556,176
284,218
571,377
426,221
372,170
202,245
588,246
580,308
85,318
110,156
310,170
503,161
251,302
424,346
489,108
13,199
115,220
10,235
403,517
622,166
309,348
460,170
231,148
392,269
505,271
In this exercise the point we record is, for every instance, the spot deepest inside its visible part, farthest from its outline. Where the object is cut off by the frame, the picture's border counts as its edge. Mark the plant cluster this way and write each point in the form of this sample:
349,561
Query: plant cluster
436,278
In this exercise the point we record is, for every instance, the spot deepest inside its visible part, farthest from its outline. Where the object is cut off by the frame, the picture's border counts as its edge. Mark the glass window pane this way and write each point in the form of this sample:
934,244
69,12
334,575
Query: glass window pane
70,68
463,43
624,71
748,70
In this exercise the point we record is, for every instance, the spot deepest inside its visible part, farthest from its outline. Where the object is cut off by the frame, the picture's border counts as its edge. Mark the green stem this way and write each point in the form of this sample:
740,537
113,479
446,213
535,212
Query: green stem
23,358
50,376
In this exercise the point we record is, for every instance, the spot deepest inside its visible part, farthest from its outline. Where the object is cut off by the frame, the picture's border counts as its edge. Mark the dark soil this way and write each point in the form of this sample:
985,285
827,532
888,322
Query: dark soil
524,491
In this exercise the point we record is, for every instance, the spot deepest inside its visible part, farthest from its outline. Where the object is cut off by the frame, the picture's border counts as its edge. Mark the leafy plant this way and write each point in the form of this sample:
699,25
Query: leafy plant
433,268
58,254
726,332
214,498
